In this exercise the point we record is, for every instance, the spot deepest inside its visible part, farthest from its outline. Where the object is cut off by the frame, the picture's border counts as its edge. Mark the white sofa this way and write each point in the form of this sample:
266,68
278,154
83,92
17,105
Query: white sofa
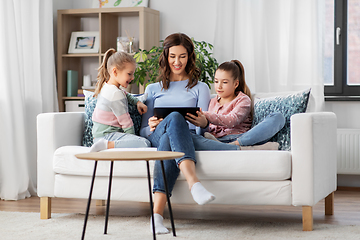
300,177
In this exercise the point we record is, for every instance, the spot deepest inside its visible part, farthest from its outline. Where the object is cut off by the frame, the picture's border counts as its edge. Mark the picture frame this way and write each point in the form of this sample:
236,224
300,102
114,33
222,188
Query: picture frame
84,42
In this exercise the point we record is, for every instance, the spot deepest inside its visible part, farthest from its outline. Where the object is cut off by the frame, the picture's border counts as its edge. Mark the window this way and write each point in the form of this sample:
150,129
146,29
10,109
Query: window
342,71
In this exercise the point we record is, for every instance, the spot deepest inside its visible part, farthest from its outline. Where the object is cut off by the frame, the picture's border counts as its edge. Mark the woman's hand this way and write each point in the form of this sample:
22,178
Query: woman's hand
153,122
200,120
141,107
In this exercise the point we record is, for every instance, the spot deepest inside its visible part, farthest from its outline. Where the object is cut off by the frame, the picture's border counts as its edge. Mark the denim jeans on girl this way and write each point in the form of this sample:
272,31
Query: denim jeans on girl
259,134
125,140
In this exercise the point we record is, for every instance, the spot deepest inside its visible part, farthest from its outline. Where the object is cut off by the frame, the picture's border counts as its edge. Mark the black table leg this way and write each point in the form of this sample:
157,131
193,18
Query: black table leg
151,201
89,201
108,198
168,198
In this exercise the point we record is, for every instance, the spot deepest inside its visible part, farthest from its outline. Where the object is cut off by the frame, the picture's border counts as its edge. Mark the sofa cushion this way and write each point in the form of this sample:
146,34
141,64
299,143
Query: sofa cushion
136,189
288,105
65,162
90,103
243,165
211,165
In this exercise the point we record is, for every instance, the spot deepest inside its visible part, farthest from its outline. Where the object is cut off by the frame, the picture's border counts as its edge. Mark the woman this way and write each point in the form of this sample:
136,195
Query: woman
178,86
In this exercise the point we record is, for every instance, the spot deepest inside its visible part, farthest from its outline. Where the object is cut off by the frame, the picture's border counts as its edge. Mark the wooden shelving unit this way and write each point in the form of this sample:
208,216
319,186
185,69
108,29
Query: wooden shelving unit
111,23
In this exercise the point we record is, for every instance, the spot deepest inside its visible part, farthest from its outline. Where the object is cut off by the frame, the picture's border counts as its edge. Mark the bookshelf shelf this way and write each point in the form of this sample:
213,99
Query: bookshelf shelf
81,55
141,22
73,98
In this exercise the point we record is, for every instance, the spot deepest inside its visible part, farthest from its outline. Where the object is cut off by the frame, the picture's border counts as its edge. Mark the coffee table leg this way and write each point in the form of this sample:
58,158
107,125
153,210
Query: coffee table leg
89,201
151,201
108,198
168,198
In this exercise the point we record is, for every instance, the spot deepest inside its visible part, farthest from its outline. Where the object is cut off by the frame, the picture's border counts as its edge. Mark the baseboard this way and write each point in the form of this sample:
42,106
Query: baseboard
352,189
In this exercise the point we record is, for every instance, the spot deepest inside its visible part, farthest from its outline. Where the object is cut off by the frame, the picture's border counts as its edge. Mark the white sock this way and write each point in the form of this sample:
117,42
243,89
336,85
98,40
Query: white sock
200,194
159,226
99,145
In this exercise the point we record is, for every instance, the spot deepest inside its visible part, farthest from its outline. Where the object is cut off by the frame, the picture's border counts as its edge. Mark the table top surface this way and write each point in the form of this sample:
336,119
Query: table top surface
129,155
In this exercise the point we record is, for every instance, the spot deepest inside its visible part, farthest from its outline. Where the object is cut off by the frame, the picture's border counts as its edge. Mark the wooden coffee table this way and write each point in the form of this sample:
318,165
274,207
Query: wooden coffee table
129,156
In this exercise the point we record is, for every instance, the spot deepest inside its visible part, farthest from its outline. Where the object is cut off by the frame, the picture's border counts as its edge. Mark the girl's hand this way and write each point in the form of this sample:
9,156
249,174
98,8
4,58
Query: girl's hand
153,122
142,108
200,120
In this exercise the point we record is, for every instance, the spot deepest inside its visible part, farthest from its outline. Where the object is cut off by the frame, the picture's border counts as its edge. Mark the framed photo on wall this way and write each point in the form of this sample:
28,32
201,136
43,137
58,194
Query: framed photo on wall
84,42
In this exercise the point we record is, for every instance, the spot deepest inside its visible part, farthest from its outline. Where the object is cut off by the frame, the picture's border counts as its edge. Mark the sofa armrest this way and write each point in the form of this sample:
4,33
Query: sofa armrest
313,147
54,130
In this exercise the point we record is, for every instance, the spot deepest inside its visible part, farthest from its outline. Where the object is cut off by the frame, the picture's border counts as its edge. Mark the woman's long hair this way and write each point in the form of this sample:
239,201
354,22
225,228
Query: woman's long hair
112,58
192,71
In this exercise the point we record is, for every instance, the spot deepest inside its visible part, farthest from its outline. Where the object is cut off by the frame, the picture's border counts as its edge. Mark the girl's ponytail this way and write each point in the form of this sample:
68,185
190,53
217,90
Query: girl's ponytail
237,71
103,74
241,77
111,59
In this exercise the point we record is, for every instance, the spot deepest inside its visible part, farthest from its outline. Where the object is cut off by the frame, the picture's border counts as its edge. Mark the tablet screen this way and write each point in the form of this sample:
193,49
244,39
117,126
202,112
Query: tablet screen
162,112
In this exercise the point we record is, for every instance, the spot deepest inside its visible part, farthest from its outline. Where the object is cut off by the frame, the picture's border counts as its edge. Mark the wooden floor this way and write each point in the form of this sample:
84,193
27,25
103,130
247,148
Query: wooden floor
347,210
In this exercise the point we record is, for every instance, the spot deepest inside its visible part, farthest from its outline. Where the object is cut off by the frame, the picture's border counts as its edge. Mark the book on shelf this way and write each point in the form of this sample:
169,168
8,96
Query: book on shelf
80,93
72,83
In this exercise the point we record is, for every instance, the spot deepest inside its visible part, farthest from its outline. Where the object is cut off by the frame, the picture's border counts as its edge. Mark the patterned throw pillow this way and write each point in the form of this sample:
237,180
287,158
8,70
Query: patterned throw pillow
287,105
90,103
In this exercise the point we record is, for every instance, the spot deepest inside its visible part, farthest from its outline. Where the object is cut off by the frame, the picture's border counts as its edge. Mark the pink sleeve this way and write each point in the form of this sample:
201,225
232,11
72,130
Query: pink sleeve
233,116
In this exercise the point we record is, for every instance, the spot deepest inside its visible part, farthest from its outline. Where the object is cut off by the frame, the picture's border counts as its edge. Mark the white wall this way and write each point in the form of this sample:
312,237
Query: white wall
194,18
348,113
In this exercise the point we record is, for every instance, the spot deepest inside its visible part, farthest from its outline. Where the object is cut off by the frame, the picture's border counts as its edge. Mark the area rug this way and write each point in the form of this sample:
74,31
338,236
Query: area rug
16,225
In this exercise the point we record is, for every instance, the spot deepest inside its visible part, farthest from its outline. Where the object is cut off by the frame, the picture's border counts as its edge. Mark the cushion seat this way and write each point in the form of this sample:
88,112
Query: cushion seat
65,162
219,165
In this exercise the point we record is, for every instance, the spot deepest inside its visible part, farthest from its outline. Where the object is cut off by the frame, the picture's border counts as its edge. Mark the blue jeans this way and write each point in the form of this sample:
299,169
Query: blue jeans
172,134
125,140
203,144
259,134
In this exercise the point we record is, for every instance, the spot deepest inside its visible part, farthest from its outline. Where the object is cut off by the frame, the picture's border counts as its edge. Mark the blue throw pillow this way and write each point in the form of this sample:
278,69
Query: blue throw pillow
90,103
288,106
134,113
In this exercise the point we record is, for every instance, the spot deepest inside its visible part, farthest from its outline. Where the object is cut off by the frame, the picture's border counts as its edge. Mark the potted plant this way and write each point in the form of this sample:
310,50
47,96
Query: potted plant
148,63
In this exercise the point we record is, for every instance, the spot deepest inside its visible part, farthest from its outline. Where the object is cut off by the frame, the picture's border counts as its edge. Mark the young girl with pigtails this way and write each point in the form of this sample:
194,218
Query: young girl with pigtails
113,127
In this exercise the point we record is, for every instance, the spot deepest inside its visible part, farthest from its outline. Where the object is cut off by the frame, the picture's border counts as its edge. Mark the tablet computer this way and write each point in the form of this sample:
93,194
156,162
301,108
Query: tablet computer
162,112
